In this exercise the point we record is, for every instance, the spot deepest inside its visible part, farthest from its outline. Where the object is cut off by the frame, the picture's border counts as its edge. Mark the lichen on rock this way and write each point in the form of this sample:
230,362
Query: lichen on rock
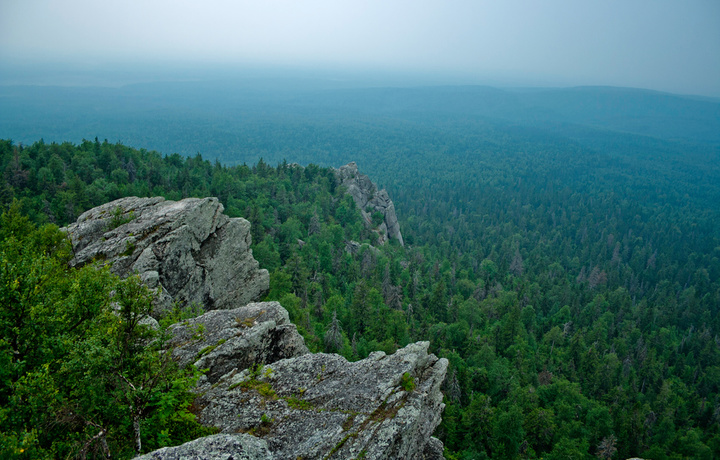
237,446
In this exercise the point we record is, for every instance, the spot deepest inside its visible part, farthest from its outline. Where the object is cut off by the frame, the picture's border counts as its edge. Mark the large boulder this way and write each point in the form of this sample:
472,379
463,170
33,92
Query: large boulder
223,340
321,406
368,198
188,249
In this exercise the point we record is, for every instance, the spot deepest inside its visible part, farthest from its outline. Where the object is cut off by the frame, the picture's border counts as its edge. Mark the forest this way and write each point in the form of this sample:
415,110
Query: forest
570,272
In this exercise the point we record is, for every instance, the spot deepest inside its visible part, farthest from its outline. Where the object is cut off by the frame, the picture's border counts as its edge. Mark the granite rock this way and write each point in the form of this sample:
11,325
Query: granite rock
216,447
223,340
188,250
321,406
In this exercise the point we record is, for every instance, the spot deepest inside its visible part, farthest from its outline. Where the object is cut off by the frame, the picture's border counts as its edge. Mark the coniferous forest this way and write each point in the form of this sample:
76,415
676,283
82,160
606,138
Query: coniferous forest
567,268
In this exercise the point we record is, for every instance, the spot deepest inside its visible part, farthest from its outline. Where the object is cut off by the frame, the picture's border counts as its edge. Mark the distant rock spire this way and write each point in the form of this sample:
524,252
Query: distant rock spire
366,195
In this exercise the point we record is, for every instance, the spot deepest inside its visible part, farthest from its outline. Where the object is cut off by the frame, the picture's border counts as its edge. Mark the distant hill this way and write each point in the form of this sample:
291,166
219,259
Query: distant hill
214,117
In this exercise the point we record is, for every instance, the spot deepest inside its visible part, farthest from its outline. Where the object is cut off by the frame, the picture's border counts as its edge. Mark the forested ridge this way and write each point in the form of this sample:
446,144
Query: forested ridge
573,287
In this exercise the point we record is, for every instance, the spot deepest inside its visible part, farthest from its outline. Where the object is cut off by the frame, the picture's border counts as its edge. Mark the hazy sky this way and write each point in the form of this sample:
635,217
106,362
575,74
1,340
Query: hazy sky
658,44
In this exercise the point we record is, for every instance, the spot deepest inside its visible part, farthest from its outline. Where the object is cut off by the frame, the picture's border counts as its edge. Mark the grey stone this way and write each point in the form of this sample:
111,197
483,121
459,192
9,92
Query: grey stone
366,195
188,250
217,447
433,450
322,406
223,340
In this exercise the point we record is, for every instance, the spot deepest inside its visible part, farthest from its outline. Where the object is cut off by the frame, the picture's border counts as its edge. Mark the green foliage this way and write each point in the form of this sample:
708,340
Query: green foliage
572,282
376,217
300,404
407,382
119,217
78,366
254,382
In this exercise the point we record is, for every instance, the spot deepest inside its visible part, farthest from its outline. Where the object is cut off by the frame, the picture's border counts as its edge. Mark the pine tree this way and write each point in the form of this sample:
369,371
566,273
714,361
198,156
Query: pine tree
333,335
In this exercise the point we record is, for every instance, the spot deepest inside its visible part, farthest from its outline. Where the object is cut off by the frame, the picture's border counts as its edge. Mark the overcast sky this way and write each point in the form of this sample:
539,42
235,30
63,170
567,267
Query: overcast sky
658,44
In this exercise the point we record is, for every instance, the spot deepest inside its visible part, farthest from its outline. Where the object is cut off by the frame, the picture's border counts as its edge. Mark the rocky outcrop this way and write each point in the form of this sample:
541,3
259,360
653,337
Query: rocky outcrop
321,406
223,340
269,397
370,200
188,249
272,399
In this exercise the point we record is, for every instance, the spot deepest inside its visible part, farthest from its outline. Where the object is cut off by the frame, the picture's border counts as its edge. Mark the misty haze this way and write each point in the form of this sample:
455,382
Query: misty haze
334,230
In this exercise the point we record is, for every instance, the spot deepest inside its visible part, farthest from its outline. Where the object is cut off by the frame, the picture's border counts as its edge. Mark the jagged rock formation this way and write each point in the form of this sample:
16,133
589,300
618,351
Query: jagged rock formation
367,197
258,333
188,249
261,380
268,395
321,406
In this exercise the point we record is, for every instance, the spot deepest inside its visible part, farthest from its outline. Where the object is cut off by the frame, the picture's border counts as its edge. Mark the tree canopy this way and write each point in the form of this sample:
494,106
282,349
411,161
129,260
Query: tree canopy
575,298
